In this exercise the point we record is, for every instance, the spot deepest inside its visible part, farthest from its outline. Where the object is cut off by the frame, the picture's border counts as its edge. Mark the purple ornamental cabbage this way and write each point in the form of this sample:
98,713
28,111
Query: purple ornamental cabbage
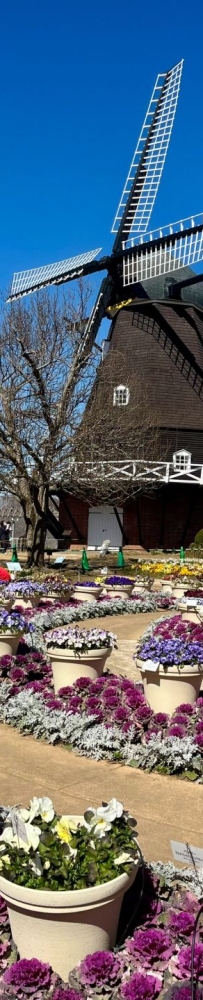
101,968
140,987
180,966
152,947
28,974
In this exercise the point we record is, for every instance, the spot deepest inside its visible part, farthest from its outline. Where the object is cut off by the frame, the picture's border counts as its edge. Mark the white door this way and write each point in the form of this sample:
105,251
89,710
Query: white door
102,524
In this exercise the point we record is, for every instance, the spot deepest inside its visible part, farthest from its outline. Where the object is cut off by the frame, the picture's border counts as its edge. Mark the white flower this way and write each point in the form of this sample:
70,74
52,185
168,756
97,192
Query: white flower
113,810
42,807
123,859
32,834
36,865
4,861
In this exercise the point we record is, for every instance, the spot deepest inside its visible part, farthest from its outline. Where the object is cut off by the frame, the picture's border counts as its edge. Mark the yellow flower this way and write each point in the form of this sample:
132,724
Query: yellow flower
65,828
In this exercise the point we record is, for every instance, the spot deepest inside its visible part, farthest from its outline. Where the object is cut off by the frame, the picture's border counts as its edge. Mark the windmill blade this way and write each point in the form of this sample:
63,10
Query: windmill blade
164,251
140,190
25,282
98,312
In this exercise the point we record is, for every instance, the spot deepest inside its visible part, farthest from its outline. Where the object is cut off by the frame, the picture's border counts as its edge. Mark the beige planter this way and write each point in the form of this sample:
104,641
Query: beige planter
190,616
179,589
89,594
167,589
123,591
26,602
6,605
157,585
63,927
9,642
140,588
56,595
67,665
166,689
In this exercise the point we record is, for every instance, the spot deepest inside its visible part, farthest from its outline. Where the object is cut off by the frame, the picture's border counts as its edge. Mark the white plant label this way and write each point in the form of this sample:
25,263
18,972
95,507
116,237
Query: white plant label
152,665
19,828
14,567
181,852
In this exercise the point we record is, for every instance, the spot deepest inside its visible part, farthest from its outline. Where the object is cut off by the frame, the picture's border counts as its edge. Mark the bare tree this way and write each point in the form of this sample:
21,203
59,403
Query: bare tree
57,412
111,434
46,370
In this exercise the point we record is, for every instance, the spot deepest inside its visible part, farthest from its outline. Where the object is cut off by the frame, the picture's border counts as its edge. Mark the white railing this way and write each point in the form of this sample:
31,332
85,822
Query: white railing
139,471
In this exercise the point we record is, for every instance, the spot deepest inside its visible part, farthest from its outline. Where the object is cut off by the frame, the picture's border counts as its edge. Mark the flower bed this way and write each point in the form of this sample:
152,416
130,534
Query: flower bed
155,957
105,719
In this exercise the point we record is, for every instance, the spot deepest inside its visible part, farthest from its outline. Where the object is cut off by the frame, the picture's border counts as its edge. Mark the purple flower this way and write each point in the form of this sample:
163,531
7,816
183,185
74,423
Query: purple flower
178,731
180,965
140,987
100,968
151,947
181,923
160,719
114,581
184,993
199,741
16,674
29,974
186,709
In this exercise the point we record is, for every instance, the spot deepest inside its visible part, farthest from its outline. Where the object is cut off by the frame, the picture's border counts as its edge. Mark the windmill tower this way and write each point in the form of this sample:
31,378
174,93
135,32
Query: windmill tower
155,301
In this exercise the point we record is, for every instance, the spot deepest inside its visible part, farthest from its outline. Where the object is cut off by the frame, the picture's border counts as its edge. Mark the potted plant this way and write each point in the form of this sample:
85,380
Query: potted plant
12,626
26,593
171,668
87,590
77,653
56,590
64,877
121,586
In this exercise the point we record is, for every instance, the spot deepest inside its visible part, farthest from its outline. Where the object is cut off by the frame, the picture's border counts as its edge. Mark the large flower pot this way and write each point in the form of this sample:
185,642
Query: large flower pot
167,688
63,927
122,590
67,665
179,589
6,605
26,602
140,588
89,594
9,642
156,585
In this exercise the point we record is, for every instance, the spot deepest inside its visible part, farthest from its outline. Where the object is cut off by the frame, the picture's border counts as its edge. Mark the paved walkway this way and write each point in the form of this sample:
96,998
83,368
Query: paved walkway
166,808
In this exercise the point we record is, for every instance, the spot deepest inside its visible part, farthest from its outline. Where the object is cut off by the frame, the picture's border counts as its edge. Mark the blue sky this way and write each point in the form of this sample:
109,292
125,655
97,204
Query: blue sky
76,80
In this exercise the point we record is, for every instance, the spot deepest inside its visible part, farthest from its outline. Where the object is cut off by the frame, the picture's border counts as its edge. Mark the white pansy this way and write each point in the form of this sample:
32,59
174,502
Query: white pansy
32,833
113,810
8,836
100,827
36,865
42,807
46,866
123,859
24,814
4,861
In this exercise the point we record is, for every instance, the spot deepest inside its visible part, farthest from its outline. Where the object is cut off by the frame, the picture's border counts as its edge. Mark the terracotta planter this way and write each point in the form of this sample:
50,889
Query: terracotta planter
63,927
89,594
166,689
67,665
124,590
9,642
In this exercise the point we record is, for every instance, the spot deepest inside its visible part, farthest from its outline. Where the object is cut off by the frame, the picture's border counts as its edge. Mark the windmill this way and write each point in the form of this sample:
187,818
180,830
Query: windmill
136,253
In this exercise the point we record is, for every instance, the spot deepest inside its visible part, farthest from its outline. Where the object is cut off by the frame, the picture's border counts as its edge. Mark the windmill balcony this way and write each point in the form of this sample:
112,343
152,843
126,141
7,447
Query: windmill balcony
139,471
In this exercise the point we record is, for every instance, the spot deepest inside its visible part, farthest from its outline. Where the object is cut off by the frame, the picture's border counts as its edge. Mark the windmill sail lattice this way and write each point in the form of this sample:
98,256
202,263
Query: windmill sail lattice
139,255
140,190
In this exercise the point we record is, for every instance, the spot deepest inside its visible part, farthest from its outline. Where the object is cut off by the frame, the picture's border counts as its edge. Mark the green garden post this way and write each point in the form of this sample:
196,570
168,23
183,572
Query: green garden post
84,563
120,559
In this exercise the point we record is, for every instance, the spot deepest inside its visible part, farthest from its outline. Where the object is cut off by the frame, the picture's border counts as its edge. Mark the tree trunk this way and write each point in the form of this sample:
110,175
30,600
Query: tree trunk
35,514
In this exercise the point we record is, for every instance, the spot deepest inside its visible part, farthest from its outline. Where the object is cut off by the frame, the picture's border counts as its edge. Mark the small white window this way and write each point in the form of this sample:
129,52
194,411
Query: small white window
121,395
182,460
